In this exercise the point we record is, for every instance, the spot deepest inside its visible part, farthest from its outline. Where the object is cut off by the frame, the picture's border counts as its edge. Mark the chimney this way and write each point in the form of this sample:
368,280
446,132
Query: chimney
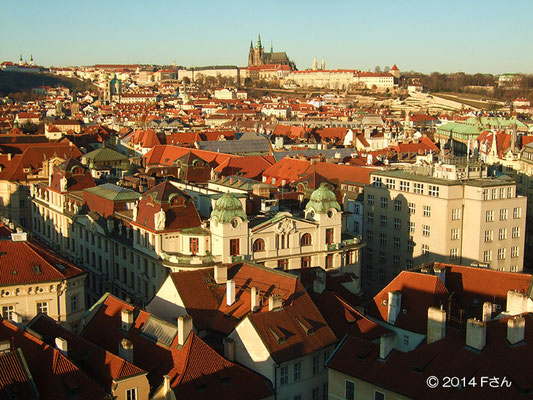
387,343
440,271
436,324
476,334
166,386
516,302
230,292
127,319
319,283
229,349
394,306
62,345
274,302
125,350
516,328
184,328
254,299
487,311
221,274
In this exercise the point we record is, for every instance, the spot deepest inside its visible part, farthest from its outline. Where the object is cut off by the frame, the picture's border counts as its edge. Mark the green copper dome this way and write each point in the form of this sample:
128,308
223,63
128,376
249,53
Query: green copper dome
226,208
322,200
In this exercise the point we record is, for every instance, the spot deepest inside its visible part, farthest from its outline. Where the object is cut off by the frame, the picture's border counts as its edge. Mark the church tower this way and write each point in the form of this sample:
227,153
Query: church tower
323,68
251,55
315,65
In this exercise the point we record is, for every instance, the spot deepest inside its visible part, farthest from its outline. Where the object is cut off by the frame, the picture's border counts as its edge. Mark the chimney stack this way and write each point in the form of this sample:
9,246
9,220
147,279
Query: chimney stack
387,343
62,345
184,328
487,311
516,328
254,299
436,324
516,302
476,334
221,274
125,350
440,271
230,292
229,349
275,301
319,283
127,319
166,386
394,306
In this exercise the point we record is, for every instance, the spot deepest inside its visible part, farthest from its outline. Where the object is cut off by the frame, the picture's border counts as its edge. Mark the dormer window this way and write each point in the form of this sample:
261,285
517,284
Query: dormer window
177,201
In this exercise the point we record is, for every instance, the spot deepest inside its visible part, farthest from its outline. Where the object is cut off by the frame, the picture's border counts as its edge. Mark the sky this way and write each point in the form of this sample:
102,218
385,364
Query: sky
419,35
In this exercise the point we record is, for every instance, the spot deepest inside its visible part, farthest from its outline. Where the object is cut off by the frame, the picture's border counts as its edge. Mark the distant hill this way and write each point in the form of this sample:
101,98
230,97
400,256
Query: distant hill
16,82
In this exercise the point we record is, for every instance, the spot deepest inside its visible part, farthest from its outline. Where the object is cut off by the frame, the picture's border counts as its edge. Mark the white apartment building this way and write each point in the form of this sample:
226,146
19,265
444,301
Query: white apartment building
413,219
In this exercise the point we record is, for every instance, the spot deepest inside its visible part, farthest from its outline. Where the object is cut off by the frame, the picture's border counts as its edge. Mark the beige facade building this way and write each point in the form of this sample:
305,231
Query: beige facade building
411,219
37,281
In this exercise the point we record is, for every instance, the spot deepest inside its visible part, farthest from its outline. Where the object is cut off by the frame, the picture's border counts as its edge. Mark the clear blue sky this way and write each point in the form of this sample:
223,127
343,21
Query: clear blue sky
422,35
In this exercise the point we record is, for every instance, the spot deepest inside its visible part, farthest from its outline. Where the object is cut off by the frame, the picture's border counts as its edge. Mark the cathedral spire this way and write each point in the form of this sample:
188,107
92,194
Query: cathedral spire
251,44
271,47
259,41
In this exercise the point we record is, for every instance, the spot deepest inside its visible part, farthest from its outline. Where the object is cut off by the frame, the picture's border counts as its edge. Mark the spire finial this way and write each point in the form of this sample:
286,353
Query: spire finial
271,46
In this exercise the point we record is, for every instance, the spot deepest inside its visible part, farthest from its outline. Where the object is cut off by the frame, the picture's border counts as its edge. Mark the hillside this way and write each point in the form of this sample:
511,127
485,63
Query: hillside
16,82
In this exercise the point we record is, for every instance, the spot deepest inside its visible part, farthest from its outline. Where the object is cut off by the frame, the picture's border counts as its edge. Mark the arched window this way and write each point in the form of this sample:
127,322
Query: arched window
306,240
177,201
259,245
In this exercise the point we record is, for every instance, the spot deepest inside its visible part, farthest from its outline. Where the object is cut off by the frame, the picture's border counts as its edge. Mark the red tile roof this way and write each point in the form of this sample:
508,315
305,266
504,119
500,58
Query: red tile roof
15,378
30,262
55,376
406,373
196,371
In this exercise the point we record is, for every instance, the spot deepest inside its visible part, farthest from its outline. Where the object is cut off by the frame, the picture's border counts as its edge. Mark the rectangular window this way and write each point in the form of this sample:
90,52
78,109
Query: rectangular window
411,227
501,254
427,211
489,236
74,300
517,212
325,391
382,274
433,191
369,235
426,230
283,264
419,188
410,245
234,247
42,308
502,234
397,205
514,251
404,186
370,200
369,253
284,375
406,340
306,262
329,235
516,232
456,214
425,249
397,223
494,194
349,390
409,263
383,220
509,192
7,312
390,183
193,245
369,271
396,242
487,256
329,261
412,208
326,356
376,181
316,393
454,253
370,217
382,257
131,394
489,216
384,202
502,193
383,238
503,214
297,371
455,234
316,364
396,261
485,194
